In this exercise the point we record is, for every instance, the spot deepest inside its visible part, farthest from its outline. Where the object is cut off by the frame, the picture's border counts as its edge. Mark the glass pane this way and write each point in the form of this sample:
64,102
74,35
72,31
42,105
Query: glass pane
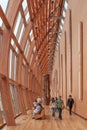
61,27
14,46
24,5
15,67
26,50
1,22
64,14
17,23
62,21
31,35
66,5
31,59
2,116
59,37
10,64
34,48
13,99
4,4
17,50
12,42
27,17
21,33
17,101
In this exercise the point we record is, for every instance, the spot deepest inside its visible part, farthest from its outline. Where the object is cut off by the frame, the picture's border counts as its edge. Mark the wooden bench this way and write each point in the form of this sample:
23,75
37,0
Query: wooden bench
41,115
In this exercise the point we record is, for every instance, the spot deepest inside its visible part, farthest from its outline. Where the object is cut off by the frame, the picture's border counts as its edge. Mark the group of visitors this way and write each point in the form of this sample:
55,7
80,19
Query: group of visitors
57,104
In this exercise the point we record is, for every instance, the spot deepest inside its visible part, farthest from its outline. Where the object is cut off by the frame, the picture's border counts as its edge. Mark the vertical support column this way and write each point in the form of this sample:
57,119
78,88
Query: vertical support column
19,68
46,88
30,89
70,40
7,103
59,75
32,79
80,58
65,67
1,120
62,75
4,65
30,99
20,91
27,98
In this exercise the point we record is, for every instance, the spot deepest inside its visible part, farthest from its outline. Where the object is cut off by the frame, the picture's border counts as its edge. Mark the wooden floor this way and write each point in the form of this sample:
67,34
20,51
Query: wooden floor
68,123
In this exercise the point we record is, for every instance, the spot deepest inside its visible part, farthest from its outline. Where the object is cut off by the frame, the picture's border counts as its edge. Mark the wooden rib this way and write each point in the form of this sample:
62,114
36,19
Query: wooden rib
13,7
23,15
1,31
30,51
26,34
30,9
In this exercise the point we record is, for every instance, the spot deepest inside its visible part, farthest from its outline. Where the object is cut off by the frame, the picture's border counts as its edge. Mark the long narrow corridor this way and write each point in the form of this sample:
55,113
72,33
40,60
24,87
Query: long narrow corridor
26,122
43,54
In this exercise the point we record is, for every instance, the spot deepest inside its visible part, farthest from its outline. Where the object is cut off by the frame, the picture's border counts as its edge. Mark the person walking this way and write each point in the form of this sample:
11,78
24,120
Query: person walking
60,106
70,103
53,107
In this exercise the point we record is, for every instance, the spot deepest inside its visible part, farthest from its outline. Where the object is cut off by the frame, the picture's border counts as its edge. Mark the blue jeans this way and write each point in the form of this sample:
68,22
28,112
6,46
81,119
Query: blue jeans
53,112
60,113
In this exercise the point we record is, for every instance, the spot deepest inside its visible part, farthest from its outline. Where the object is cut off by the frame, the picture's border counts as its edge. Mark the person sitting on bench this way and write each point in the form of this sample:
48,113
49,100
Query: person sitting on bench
37,109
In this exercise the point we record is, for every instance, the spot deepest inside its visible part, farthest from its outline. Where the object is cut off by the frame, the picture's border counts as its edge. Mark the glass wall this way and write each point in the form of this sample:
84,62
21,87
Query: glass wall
21,33
2,116
15,99
12,65
25,9
16,29
4,5
27,47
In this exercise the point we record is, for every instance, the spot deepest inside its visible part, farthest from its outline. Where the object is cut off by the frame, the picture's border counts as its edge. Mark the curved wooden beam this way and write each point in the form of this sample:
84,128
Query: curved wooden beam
13,10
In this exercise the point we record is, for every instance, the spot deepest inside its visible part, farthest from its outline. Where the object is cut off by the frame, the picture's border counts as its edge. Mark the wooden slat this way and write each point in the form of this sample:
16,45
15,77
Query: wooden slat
23,15
12,11
26,34
1,31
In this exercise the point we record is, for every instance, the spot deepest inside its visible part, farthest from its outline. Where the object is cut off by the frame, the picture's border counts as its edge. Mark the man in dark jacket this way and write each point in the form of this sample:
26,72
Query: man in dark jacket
70,103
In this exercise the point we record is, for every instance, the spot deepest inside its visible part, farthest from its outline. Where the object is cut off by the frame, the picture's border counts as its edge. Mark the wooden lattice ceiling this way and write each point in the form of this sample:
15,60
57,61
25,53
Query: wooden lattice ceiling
44,23
45,28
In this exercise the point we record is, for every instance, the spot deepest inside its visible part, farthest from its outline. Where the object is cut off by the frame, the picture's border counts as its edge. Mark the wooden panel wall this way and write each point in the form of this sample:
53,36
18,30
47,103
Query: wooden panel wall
73,47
